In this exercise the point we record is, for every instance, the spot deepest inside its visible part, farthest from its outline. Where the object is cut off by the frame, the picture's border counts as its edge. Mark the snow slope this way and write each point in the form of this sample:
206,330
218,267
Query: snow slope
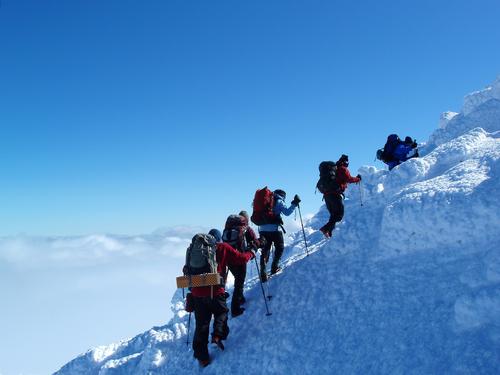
409,284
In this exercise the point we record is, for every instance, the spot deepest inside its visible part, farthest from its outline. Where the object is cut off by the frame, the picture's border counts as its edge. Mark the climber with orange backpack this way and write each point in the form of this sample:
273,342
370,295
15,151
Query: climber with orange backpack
267,209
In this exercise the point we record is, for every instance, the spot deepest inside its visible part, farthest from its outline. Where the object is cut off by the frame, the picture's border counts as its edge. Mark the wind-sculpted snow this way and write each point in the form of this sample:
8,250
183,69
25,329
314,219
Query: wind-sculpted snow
447,194
481,109
476,99
409,283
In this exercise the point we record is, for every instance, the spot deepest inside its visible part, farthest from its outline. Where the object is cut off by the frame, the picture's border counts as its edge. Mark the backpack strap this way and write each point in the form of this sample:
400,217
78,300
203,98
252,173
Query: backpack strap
213,262
188,262
188,255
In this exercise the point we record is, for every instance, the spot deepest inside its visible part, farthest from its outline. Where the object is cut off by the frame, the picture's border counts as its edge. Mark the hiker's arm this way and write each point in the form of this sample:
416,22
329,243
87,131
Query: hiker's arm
250,235
281,208
235,258
411,152
344,176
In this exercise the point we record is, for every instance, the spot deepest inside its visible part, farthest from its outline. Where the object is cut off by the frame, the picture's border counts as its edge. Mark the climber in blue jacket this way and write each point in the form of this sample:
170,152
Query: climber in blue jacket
402,152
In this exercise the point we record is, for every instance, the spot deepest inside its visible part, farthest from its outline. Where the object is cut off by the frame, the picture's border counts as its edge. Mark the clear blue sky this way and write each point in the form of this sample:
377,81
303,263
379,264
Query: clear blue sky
124,116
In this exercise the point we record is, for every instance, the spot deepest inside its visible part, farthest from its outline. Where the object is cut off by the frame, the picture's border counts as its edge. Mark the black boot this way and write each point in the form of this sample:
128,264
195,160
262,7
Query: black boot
218,341
237,312
263,276
275,269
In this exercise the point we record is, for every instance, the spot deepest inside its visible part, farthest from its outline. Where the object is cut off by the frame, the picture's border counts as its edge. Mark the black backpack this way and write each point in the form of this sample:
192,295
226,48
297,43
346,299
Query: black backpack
327,182
234,232
386,155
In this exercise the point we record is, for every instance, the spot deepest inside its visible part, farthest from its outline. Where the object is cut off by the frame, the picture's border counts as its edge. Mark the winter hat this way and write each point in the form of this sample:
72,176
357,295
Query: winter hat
245,215
344,160
216,234
408,140
280,193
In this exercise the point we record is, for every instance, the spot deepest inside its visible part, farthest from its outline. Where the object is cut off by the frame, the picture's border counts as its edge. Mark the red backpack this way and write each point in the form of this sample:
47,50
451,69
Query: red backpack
234,232
263,205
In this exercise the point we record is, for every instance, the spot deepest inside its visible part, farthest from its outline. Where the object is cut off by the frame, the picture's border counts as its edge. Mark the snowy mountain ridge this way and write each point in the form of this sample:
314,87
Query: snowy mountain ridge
475,99
409,283
481,109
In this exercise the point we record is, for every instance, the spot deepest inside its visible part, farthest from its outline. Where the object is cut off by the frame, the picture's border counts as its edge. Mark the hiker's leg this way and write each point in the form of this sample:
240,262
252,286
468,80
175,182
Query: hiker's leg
203,315
239,273
279,246
338,208
264,256
220,310
331,206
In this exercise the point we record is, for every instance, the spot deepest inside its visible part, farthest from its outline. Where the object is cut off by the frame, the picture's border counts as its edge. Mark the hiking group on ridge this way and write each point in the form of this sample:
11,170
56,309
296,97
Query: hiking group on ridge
230,251
216,254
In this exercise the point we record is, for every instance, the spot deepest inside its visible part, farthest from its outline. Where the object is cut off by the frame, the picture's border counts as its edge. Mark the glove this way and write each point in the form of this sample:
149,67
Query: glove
359,176
296,200
253,246
185,270
414,145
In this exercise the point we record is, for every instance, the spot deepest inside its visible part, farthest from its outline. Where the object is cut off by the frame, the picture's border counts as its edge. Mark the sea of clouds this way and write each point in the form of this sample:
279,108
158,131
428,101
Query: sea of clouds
62,295
66,294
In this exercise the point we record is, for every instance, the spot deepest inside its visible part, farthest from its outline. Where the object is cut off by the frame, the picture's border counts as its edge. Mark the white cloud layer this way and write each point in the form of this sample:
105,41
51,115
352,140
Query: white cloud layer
28,252
67,294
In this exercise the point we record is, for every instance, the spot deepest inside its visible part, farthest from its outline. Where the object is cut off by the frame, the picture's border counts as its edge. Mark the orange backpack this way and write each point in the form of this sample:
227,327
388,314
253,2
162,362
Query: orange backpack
263,205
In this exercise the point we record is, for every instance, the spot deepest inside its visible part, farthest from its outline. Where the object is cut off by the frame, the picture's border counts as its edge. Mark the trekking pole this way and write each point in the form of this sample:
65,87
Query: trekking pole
262,287
189,326
360,194
271,255
303,231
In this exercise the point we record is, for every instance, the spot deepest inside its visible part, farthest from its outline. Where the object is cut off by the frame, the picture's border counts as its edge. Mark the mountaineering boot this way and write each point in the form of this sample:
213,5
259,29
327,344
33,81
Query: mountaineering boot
326,233
238,312
263,276
217,341
275,270
204,362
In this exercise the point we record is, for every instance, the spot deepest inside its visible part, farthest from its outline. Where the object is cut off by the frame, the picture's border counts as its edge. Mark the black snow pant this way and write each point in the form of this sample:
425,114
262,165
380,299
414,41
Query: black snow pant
335,205
275,238
204,308
239,273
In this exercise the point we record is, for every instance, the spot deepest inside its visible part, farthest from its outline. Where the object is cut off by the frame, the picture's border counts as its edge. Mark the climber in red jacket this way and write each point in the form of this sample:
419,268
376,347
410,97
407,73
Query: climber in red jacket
334,199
